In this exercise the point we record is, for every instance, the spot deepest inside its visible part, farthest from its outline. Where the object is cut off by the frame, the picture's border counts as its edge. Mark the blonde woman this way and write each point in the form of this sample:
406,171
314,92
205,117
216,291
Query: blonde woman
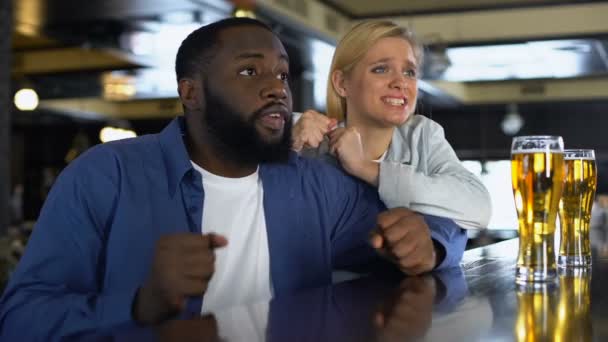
371,128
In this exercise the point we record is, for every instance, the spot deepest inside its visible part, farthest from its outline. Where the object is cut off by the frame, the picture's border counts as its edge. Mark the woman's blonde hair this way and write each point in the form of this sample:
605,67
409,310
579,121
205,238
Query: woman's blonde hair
351,49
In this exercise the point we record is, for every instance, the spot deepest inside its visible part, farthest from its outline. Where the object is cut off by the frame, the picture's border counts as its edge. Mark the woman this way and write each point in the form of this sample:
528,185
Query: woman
372,92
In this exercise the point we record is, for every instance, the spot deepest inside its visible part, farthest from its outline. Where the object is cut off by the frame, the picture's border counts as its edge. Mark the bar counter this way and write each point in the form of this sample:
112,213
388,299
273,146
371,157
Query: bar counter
478,302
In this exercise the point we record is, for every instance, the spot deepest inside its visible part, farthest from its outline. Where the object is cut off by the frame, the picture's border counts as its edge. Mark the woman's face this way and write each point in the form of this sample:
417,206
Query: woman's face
382,87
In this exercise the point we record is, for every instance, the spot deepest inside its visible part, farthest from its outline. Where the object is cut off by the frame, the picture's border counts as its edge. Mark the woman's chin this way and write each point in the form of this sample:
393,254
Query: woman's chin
398,120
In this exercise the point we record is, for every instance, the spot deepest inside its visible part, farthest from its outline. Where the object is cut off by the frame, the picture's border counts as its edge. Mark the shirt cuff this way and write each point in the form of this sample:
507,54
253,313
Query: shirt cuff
450,236
445,263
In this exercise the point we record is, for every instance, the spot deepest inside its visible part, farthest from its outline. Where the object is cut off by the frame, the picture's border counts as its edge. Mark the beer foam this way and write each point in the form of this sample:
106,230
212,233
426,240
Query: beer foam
578,158
537,150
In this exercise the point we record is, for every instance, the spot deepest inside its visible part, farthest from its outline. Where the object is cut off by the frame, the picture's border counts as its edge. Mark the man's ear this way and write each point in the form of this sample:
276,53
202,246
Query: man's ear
338,80
189,93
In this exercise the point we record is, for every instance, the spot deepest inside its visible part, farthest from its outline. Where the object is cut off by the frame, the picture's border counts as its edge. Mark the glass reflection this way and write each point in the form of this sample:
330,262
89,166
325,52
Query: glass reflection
536,314
365,309
556,313
574,307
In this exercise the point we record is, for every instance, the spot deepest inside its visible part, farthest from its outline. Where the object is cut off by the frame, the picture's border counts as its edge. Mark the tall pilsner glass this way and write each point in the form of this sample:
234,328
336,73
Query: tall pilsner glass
575,208
537,175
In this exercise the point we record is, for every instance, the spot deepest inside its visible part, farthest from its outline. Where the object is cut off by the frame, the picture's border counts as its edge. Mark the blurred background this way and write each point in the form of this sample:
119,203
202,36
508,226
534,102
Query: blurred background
78,73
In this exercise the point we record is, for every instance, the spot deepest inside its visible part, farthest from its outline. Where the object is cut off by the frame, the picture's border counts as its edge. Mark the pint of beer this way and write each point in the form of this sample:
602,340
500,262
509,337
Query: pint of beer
537,175
575,208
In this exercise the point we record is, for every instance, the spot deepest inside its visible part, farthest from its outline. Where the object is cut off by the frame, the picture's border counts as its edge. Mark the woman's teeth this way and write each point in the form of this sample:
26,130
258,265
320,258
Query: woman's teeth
394,101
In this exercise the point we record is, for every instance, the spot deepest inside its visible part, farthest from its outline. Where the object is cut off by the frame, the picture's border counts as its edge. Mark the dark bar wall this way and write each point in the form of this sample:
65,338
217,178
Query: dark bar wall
6,20
475,133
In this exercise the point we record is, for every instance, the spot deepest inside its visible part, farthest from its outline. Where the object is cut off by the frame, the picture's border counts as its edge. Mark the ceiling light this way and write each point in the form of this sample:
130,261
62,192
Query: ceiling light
118,86
243,13
526,60
512,122
138,42
178,17
26,99
113,133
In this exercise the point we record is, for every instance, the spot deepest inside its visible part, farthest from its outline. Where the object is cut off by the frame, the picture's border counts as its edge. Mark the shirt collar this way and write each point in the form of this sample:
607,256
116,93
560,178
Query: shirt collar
175,154
177,159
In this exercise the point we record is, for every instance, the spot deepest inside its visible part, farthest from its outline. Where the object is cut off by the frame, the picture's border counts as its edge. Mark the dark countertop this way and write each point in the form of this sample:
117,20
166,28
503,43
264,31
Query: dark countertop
479,302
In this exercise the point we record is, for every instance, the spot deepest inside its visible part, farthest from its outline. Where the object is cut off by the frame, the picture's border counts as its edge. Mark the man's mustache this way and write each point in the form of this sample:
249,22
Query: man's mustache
259,112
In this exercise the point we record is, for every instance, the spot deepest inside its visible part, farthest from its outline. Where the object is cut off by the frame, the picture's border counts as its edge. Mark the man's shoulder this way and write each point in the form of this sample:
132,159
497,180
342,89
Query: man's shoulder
132,145
144,144
315,166
121,153
315,179
306,170
324,175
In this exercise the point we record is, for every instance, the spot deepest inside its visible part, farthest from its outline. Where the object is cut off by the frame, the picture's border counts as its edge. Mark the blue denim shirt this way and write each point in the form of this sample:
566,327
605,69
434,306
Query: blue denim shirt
93,243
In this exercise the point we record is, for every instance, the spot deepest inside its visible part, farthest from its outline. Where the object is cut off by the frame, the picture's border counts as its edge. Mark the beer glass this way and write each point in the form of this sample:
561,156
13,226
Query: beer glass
575,208
537,175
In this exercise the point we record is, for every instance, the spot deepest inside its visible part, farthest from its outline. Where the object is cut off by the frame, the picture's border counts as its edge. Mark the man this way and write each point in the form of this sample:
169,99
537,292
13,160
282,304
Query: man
119,239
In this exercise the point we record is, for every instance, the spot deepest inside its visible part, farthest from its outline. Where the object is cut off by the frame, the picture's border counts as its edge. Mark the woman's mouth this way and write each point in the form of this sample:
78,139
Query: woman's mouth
394,101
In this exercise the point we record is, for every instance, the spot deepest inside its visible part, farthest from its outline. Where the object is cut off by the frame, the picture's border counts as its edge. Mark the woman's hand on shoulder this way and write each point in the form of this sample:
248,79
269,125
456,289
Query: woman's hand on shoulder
310,130
347,146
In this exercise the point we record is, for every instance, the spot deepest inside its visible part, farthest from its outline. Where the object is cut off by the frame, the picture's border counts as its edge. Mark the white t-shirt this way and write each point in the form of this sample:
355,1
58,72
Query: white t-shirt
234,208
247,323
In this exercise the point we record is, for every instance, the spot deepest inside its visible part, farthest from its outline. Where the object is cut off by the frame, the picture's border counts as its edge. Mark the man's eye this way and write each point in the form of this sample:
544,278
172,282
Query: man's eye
248,72
283,76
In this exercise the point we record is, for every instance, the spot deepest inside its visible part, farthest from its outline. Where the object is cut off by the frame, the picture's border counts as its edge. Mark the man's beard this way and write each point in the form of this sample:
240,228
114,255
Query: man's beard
237,138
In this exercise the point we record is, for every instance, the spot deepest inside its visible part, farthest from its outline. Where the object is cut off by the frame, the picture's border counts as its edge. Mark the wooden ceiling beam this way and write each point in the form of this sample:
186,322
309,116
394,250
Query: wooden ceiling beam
71,59
510,24
580,89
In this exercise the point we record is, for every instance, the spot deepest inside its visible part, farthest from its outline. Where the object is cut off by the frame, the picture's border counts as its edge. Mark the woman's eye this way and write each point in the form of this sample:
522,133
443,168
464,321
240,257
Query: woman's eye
283,76
410,73
379,69
248,72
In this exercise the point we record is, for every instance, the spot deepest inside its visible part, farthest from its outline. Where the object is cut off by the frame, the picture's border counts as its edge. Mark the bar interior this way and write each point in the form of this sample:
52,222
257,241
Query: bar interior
77,74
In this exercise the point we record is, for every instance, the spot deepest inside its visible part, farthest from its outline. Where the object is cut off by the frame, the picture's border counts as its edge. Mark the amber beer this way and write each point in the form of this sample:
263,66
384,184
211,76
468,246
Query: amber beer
537,174
575,207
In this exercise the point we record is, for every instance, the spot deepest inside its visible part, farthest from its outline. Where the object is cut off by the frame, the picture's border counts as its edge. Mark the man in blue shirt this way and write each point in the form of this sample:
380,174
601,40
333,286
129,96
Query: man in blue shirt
132,231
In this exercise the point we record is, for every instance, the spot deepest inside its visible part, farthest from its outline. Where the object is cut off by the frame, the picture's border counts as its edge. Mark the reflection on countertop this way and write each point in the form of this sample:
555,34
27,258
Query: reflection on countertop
477,302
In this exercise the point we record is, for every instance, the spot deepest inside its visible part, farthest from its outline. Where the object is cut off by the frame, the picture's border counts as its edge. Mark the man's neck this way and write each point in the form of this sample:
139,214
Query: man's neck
206,152
375,139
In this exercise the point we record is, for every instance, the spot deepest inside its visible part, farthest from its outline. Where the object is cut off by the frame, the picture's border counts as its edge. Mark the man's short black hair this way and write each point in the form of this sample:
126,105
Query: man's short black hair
197,50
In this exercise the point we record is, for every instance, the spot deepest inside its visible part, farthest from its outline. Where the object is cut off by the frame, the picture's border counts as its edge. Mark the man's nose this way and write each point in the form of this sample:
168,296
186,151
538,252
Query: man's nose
275,88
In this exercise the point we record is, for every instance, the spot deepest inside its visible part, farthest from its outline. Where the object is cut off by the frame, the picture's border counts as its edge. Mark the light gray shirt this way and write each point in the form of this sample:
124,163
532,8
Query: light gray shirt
421,171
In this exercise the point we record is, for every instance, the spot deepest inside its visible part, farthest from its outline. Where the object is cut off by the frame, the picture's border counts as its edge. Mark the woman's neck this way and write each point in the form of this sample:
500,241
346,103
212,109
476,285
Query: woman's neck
375,139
